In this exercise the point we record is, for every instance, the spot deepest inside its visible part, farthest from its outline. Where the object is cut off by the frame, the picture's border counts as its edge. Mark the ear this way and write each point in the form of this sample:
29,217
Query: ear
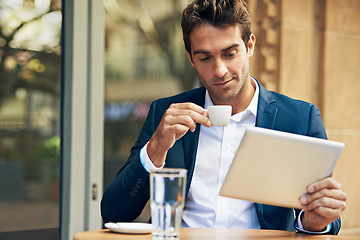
251,45
190,58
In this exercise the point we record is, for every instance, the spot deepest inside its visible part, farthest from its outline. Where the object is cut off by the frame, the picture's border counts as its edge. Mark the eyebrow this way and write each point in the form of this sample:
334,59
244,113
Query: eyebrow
223,50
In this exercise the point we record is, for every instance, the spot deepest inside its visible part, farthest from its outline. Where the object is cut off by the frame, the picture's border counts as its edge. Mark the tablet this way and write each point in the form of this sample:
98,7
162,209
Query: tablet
275,168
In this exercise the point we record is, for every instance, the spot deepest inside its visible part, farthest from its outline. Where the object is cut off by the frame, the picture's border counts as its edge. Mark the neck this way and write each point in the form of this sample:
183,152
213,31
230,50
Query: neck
244,97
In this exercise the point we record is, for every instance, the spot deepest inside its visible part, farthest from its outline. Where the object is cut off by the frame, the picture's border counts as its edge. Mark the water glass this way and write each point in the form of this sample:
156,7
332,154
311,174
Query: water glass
167,193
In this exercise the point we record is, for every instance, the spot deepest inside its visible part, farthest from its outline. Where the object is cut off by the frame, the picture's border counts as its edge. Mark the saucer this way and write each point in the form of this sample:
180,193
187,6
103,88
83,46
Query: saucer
129,227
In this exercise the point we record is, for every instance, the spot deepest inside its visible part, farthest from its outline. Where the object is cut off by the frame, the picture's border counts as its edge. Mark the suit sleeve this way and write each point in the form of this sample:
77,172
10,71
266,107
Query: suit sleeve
317,129
316,126
128,193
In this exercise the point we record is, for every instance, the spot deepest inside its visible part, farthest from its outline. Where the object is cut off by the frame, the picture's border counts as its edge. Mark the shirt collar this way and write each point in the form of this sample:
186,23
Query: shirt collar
254,101
251,109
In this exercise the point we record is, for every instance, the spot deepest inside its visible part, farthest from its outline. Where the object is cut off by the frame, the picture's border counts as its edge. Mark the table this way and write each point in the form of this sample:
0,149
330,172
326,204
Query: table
211,234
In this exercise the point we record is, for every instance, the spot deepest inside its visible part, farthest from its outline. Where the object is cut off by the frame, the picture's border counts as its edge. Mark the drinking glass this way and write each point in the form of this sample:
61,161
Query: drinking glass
167,193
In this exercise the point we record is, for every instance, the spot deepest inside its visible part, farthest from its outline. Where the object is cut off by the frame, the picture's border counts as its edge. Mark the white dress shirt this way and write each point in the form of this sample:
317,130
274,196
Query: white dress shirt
204,207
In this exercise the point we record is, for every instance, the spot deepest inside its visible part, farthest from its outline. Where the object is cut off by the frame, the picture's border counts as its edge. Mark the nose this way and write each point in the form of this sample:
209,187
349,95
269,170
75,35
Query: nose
220,69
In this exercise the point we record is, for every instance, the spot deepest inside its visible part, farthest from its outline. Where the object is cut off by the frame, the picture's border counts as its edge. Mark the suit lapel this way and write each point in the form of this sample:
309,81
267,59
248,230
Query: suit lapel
191,139
266,113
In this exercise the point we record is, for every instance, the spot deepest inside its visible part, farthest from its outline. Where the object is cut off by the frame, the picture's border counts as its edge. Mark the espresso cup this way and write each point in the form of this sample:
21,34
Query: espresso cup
219,115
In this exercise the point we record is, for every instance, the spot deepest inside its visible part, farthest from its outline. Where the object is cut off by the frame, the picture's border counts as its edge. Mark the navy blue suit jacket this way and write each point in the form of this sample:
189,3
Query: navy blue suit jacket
127,195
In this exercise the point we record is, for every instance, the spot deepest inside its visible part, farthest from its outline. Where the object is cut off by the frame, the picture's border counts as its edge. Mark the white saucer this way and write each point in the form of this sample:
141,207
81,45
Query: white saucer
129,227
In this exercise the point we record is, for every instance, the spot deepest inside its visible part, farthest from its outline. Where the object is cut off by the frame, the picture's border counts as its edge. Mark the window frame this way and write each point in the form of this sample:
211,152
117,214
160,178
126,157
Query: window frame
82,111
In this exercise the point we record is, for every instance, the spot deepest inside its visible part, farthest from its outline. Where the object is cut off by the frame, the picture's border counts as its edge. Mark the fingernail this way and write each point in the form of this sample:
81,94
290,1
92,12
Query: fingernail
311,189
303,200
209,123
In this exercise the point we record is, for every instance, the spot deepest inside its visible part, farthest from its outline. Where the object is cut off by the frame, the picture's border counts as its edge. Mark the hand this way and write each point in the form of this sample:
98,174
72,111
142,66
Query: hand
177,120
322,204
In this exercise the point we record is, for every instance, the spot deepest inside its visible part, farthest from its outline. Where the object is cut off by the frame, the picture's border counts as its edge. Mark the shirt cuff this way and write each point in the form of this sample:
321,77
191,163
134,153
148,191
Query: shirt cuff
300,227
145,160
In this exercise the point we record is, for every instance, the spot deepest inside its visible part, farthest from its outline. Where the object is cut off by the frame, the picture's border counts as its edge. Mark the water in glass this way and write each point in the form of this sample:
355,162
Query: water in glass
167,188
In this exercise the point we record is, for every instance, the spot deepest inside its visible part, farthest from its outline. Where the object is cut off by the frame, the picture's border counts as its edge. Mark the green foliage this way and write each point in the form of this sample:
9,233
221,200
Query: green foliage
46,158
50,149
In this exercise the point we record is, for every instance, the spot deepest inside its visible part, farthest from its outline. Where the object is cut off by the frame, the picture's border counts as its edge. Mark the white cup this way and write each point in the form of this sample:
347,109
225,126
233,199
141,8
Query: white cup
219,115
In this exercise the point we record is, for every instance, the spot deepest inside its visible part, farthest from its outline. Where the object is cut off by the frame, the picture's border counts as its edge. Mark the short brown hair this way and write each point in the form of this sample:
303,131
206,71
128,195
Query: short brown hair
218,13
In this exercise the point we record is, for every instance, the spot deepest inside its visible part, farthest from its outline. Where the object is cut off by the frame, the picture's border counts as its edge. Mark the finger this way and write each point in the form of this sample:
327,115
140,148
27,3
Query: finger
326,202
181,123
328,193
190,106
329,183
195,112
328,213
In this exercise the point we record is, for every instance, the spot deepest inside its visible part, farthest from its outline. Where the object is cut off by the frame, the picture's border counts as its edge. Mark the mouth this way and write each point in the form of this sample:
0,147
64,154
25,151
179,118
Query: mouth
223,83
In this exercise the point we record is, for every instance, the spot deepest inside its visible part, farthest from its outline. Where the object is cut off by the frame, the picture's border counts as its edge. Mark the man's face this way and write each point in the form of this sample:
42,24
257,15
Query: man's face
221,61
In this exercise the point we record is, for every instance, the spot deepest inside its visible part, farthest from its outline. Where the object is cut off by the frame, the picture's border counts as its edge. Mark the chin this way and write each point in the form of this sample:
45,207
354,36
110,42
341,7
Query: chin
225,98
223,95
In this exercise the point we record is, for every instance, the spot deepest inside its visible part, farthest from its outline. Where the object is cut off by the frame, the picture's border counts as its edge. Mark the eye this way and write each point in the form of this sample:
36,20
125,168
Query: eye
204,59
230,54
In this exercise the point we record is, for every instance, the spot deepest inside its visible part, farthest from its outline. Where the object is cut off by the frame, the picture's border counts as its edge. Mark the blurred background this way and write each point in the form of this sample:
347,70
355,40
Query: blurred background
309,50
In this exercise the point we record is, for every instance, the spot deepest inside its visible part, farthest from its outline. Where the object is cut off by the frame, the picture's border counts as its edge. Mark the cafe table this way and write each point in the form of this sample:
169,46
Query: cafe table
211,234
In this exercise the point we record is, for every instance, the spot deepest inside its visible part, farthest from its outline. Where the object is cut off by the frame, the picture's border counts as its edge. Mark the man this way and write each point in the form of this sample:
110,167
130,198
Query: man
177,133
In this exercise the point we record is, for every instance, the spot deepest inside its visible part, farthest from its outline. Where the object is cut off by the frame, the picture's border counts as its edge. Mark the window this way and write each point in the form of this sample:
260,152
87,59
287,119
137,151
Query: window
29,117
144,60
